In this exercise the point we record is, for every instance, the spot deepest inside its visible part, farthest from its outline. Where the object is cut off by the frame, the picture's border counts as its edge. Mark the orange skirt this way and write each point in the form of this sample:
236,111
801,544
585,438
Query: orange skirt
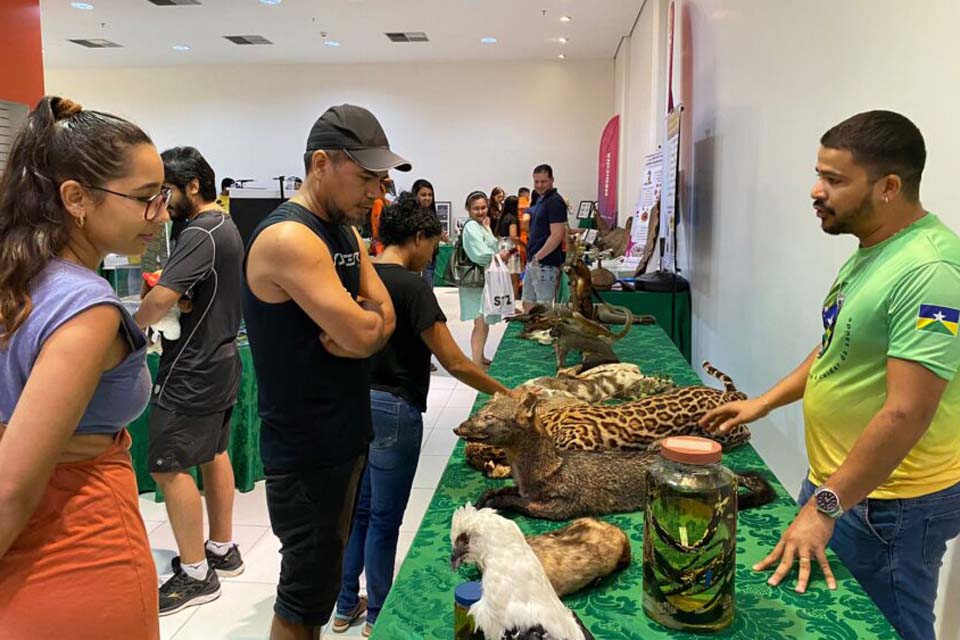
82,567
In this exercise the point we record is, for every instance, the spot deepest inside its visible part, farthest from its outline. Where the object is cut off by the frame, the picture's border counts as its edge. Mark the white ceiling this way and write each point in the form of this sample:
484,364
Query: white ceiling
455,27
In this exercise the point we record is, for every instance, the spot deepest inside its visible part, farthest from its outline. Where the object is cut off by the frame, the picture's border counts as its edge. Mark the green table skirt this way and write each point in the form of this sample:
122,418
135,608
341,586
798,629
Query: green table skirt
244,447
420,605
672,313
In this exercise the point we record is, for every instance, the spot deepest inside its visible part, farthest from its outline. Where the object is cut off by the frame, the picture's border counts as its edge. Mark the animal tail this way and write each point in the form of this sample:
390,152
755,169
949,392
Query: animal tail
759,491
721,376
627,322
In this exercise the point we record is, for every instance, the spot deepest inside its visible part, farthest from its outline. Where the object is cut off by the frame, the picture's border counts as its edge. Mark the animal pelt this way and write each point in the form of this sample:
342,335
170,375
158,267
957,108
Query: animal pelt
518,600
541,319
622,380
614,240
581,285
558,484
492,461
595,350
591,387
581,554
660,412
583,294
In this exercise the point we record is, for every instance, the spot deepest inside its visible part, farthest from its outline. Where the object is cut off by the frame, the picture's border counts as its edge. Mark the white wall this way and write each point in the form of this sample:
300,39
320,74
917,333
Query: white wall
761,82
642,103
464,126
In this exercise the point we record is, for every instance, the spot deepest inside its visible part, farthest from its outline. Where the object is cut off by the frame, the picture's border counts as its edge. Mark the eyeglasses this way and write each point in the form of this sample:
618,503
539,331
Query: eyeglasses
152,204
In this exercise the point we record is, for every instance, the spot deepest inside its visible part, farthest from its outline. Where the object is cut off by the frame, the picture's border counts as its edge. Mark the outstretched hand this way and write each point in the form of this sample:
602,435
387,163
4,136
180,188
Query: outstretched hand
726,417
804,541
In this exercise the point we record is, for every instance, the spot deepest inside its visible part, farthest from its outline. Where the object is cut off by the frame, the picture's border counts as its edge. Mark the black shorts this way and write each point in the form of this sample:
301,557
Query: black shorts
179,442
311,511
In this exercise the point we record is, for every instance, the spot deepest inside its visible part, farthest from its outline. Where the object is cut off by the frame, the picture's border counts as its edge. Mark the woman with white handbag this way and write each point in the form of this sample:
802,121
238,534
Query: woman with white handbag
480,246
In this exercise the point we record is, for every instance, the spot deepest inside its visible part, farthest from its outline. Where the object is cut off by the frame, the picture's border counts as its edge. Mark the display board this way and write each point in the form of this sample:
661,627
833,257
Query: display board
668,205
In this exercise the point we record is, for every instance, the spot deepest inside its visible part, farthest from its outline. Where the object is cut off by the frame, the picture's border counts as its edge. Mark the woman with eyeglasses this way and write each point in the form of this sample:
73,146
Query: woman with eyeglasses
74,557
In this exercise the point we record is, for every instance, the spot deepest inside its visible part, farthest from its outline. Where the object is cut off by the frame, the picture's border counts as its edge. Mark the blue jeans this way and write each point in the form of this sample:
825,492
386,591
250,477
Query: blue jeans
384,492
895,548
427,274
540,283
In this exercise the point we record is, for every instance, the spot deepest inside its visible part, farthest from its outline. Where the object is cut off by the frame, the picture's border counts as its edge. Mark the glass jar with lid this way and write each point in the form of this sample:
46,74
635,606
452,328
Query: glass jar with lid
690,537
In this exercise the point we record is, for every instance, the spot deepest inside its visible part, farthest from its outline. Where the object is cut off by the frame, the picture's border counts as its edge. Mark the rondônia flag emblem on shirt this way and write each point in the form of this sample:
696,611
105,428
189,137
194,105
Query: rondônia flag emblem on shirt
936,319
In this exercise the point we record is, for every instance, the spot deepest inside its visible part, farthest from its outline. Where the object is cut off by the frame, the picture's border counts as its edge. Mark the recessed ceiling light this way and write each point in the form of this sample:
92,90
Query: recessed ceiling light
270,1
566,19
181,47
84,6
331,43
562,56
488,40
562,40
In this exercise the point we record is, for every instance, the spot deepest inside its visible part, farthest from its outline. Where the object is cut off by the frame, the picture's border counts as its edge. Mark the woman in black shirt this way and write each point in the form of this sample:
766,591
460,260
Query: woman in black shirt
509,229
399,381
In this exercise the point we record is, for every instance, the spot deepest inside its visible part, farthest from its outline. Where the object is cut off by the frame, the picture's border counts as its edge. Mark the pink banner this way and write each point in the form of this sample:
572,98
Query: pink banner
607,175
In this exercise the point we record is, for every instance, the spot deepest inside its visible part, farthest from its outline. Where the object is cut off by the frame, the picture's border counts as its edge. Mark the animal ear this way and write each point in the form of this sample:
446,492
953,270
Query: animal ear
528,406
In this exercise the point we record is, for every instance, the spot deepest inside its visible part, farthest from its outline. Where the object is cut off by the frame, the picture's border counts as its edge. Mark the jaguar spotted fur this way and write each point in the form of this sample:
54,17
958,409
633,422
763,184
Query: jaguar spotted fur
631,426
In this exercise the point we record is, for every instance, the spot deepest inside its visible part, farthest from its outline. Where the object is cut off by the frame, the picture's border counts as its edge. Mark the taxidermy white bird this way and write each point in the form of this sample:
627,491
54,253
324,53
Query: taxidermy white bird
518,601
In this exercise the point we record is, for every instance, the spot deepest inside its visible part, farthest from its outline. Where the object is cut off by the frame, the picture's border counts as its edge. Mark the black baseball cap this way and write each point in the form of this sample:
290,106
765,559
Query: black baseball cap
356,132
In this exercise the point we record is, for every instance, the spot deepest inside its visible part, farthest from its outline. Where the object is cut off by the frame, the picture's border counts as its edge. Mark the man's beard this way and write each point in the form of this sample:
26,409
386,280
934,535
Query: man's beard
336,215
850,219
177,212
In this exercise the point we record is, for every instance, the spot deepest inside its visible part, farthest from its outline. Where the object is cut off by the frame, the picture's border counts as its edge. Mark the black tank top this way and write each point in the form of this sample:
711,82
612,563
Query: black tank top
314,407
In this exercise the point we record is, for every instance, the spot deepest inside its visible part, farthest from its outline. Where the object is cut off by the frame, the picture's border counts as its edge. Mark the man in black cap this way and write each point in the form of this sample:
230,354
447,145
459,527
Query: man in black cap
315,311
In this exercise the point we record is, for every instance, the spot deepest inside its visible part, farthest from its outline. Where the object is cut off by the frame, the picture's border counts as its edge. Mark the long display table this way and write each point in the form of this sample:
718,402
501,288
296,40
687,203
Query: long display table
420,605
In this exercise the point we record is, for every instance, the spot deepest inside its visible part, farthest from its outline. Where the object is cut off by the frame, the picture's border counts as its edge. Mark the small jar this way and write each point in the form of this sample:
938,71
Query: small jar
690,537
465,596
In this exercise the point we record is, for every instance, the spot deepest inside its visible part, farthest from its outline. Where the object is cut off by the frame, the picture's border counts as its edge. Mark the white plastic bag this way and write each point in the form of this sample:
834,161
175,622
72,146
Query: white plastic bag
498,290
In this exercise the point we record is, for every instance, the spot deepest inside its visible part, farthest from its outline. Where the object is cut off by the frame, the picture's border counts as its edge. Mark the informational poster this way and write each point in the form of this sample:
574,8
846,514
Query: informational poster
649,195
668,205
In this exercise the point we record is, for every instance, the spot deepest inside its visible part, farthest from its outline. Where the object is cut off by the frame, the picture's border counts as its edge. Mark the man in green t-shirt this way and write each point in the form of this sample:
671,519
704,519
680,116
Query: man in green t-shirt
881,395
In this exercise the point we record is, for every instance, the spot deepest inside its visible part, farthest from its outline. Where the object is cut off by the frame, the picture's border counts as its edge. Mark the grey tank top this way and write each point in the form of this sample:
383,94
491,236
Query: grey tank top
59,293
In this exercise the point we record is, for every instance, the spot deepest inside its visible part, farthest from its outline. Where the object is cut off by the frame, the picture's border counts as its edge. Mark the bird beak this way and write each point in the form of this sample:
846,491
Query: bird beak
460,551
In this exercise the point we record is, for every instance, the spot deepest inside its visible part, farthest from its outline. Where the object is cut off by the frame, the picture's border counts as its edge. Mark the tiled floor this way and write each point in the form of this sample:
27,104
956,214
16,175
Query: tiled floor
245,608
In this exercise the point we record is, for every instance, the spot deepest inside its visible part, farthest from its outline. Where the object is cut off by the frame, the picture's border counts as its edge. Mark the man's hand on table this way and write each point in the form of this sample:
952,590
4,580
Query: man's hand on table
805,540
725,417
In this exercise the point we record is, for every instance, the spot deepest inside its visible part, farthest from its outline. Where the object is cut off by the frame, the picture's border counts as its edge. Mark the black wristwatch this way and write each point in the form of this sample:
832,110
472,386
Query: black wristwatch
828,502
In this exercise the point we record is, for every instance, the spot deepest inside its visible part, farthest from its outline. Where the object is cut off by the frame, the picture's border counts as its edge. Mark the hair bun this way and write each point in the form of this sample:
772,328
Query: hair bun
64,108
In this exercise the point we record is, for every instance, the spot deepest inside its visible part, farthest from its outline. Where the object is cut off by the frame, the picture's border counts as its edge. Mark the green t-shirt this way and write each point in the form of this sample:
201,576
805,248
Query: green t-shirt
897,299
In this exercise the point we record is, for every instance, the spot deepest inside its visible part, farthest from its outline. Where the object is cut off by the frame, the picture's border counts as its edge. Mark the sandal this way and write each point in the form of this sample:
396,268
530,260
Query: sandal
343,621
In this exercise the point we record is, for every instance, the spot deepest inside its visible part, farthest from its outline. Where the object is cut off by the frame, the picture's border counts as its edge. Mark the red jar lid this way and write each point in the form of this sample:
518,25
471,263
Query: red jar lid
691,450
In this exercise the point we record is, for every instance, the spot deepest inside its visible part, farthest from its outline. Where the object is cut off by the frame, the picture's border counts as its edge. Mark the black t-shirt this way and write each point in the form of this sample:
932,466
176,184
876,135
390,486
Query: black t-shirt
199,373
314,406
547,210
403,367
503,226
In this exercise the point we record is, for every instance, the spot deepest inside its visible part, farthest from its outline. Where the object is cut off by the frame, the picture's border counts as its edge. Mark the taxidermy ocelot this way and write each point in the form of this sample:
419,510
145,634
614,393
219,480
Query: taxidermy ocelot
518,601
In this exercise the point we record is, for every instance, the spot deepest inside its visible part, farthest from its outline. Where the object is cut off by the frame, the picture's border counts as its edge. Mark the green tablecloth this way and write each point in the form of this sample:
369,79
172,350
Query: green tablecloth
420,605
244,448
443,257
659,305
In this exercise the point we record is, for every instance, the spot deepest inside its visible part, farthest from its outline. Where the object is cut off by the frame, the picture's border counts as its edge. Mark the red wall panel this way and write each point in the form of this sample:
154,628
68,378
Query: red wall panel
21,57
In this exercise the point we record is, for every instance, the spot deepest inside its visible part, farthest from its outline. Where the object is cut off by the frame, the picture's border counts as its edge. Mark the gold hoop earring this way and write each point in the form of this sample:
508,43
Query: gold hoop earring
82,220
886,200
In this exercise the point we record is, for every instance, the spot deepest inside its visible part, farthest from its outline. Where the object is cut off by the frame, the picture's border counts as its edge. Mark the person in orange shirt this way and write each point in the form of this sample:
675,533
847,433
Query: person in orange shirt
523,204
376,246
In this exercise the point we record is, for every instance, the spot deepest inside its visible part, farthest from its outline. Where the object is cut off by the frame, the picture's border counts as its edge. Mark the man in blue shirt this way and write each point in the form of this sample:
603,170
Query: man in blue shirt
545,256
